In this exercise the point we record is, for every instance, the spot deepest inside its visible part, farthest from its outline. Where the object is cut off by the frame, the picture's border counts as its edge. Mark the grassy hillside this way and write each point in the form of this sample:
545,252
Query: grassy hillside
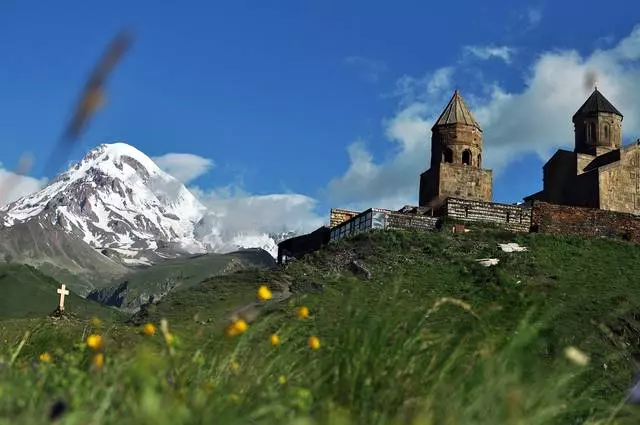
431,338
27,293
136,288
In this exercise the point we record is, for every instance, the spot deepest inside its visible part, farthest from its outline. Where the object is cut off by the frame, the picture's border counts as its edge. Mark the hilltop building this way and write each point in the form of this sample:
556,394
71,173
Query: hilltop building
456,158
599,172
593,190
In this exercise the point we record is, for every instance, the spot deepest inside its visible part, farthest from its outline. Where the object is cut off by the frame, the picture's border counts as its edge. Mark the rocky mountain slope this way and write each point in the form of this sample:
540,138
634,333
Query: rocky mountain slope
113,211
151,284
58,254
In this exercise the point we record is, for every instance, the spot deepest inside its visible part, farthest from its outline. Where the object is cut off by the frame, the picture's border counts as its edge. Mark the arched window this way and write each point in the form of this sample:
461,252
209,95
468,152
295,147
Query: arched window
466,157
587,133
592,131
447,156
606,132
479,160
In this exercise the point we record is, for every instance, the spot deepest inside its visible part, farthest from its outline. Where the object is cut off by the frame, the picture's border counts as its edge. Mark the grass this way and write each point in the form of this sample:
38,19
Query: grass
431,338
179,274
28,293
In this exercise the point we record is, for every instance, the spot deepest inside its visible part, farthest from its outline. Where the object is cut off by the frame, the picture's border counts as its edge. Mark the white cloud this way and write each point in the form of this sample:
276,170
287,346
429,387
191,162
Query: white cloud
411,89
234,212
536,119
373,69
14,186
185,167
504,53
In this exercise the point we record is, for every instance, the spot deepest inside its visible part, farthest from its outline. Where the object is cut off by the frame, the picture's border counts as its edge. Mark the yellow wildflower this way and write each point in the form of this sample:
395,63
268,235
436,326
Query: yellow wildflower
45,357
314,342
149,329
275,340
237,327
98,360
264,293
282,380
302,312
94,342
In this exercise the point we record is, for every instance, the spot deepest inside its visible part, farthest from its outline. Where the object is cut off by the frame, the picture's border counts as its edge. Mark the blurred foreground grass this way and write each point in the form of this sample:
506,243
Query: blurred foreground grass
419,344
372,367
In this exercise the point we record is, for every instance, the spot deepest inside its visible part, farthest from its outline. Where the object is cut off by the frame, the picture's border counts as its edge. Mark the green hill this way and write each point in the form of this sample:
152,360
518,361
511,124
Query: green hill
28,293
431,337
152,283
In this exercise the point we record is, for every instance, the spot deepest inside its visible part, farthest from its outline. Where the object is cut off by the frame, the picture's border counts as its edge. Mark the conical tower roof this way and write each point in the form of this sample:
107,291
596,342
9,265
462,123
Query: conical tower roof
596,103
456,112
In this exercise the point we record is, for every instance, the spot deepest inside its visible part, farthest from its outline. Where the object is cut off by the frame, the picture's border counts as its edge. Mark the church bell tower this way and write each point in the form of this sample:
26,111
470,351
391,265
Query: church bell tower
456,158
597,126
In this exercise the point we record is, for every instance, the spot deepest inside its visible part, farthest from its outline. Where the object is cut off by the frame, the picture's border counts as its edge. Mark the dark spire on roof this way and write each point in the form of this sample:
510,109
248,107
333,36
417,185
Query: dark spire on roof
456,112
596,103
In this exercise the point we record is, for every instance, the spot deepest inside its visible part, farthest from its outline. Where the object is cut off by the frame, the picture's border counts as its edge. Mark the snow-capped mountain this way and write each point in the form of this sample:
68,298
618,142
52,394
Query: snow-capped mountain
116,197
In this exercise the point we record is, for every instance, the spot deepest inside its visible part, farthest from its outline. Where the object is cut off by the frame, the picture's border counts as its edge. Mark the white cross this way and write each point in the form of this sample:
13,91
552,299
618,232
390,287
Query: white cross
62,291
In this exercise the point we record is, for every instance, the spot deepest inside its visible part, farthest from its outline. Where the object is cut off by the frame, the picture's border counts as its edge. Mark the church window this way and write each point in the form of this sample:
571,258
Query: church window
479,160
587,136
592,131
448,155
606,132
466,157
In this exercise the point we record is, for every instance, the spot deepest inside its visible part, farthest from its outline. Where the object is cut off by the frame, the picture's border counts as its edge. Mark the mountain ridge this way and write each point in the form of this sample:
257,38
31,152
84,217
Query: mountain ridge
112,212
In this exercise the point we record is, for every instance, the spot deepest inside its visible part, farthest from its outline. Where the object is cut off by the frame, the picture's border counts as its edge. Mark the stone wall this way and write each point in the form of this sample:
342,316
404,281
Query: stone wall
515,218
465,182
584,222
410,221
619,182
338,215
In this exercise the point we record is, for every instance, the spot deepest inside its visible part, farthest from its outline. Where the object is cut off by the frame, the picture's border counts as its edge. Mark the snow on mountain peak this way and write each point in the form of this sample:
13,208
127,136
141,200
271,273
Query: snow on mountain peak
116,196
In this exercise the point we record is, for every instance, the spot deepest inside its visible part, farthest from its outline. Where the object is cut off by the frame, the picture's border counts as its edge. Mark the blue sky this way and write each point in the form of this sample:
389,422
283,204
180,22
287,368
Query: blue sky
323,103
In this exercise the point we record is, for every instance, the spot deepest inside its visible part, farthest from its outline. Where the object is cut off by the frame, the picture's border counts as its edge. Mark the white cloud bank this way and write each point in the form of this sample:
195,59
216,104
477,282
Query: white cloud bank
14,185
235,214
185,167
534,120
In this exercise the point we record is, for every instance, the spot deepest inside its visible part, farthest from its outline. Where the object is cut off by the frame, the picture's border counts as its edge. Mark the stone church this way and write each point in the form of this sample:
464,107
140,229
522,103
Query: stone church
456,158
599,172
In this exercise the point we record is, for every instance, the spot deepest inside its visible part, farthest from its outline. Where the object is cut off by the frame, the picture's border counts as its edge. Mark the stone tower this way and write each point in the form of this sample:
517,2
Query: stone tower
456,158
597,126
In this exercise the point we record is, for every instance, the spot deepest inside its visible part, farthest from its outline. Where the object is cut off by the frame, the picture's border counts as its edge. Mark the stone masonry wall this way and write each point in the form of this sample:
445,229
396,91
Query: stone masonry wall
584,222
515,218
619,183
466,182
338,215
410,221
